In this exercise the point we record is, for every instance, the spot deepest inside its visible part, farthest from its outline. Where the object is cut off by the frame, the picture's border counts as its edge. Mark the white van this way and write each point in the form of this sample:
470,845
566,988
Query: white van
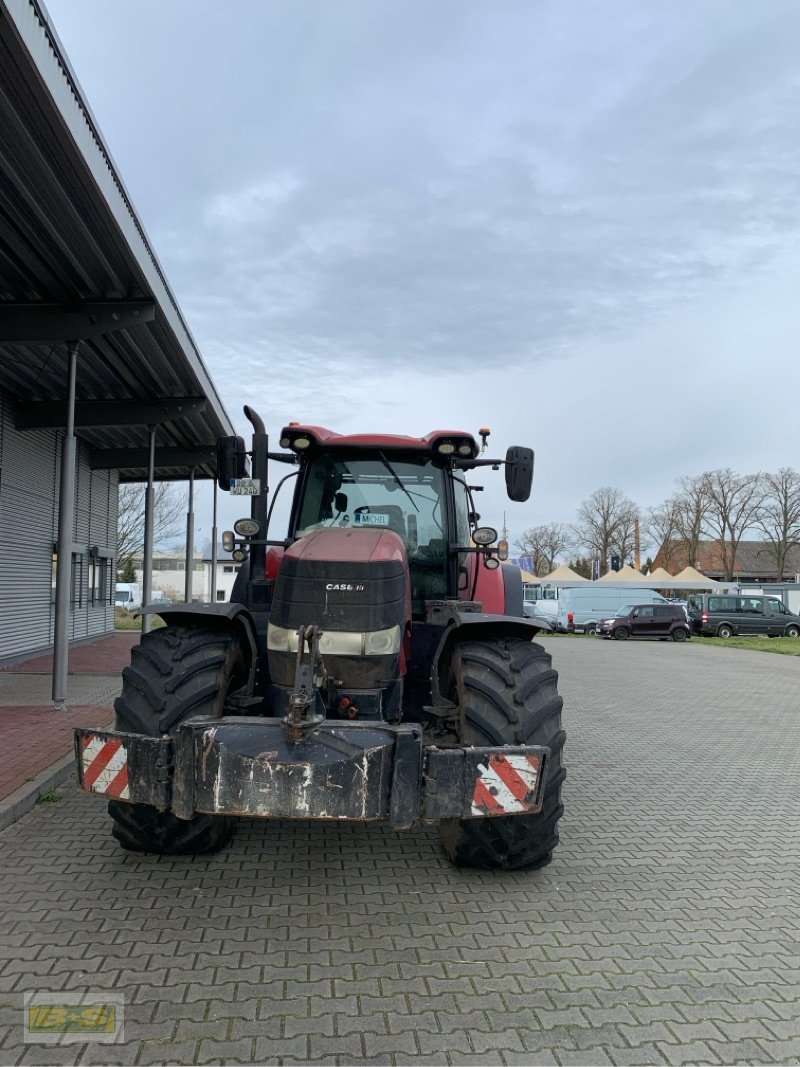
128,595
581,608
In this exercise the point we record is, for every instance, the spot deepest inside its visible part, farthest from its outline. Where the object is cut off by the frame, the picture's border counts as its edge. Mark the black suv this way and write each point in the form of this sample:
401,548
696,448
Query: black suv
646,620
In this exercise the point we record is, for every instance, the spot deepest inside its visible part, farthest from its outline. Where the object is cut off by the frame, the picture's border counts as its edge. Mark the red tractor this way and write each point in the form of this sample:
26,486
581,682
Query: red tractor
373,665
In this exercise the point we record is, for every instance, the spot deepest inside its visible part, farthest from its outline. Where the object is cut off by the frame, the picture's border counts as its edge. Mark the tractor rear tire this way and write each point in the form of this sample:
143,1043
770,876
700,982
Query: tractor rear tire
176,672
507,691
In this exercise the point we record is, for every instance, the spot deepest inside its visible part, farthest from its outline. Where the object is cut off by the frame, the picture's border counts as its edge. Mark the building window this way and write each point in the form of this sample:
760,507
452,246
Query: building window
77,584
77,588
220,594
227,570
101,581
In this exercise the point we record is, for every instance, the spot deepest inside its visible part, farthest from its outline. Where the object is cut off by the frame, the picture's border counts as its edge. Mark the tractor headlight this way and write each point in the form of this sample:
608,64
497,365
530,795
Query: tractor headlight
340,642
247,527
484,535
382,642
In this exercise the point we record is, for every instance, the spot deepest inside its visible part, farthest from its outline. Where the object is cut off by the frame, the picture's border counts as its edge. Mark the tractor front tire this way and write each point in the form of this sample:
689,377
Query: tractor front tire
175,672
507,692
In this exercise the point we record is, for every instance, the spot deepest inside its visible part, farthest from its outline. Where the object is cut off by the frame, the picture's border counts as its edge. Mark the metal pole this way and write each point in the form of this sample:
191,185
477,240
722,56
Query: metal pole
149,525
66,529
189,542
213,597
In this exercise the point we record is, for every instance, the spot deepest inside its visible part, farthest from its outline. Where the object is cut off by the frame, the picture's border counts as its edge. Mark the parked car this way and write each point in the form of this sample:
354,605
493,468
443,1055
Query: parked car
583,607
646,620
541,609
717,615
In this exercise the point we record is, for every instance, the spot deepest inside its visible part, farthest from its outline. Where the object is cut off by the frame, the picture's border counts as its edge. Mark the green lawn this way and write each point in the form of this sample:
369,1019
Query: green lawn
126,620
784,646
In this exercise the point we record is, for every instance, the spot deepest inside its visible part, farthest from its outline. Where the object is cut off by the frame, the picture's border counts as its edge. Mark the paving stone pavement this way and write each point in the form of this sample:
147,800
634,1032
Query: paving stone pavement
667,930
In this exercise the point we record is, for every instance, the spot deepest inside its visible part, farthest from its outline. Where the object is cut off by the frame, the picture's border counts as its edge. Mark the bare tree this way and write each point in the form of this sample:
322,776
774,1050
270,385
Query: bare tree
691,504
661,529
545,543
606,522
734,501
778,516
623,543
169,513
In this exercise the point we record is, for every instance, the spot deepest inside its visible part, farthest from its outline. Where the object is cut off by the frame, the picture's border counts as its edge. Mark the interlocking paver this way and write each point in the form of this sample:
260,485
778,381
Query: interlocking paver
666,930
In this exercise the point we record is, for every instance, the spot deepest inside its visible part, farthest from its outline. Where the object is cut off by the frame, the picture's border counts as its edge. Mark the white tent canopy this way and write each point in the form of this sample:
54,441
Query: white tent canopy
563,573
623,576
658,574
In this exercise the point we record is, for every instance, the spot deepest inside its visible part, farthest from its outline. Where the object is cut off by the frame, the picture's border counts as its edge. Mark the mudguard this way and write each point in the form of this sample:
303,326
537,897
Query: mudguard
225,615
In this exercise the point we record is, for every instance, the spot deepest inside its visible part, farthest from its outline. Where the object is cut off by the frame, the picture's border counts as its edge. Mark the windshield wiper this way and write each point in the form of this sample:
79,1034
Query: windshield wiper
393,473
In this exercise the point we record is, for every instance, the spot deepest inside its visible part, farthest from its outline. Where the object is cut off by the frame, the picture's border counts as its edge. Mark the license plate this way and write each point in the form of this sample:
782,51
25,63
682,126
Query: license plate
245,486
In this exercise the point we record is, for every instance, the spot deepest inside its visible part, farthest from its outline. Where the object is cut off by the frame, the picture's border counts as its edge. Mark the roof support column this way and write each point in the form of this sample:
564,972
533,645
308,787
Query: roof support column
189,576
149,520
66,533
213,597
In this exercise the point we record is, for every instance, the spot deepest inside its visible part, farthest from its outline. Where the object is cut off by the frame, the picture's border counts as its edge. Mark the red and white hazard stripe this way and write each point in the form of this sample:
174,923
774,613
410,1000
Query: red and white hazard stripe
506,785
105,766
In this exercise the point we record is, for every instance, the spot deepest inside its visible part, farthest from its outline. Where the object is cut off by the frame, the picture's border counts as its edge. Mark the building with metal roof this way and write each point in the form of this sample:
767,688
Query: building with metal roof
100,378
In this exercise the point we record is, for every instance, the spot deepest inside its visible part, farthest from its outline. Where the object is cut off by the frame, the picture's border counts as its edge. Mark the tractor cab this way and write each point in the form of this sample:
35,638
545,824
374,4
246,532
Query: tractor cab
413,487
409,496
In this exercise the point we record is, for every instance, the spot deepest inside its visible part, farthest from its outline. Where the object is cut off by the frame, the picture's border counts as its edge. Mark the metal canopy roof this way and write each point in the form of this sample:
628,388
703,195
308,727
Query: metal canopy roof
76,265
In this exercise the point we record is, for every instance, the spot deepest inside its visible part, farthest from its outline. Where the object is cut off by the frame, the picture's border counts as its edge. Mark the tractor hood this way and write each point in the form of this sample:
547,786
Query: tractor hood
354,585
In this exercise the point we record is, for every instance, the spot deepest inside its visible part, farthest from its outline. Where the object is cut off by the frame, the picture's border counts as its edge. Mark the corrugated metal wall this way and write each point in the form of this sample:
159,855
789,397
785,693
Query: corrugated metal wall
29,487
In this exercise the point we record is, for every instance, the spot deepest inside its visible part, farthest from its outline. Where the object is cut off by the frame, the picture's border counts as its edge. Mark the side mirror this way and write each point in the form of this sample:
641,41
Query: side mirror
519,473
231,460
340,502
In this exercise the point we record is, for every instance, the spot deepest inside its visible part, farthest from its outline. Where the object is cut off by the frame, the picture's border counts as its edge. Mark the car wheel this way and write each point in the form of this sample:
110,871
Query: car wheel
621,633
679,633
725,631
590,631
792,631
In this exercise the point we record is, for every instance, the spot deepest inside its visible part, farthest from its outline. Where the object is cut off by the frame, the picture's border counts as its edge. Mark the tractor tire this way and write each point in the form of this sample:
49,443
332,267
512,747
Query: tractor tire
175,672
507,691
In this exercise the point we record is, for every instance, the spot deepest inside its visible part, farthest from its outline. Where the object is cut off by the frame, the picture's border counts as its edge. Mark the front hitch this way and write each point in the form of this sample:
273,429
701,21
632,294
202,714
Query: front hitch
305,702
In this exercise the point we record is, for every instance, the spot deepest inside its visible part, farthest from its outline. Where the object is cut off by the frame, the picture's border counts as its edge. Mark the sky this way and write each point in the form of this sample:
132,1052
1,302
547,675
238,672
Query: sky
576,223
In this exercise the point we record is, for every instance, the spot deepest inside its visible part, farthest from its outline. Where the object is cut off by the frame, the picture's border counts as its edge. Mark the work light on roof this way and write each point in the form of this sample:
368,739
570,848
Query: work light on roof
447,448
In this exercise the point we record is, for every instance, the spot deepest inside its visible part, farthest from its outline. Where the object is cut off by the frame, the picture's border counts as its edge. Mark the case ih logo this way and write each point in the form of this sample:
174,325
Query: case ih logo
344,587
